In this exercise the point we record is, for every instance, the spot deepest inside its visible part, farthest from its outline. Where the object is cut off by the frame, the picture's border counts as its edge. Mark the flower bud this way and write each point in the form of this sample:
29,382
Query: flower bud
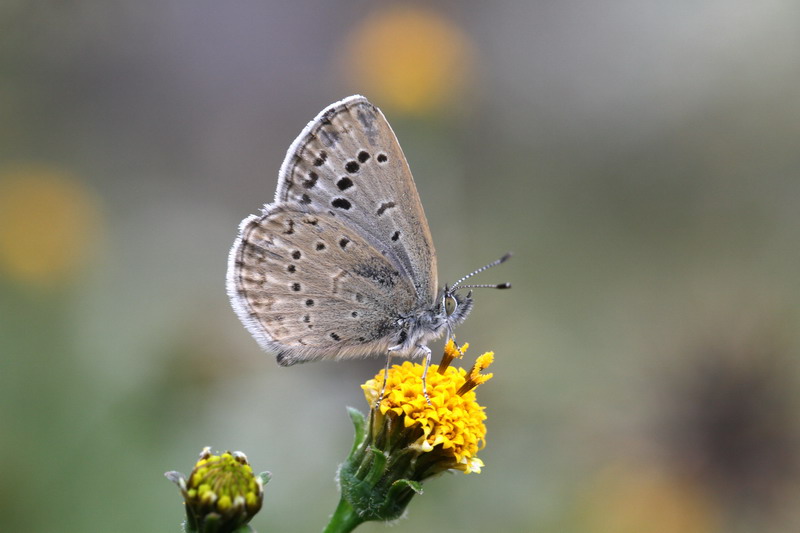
221,494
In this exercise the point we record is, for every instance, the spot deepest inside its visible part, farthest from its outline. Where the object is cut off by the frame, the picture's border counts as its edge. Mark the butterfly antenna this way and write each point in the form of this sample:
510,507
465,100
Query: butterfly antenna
487,286
496,262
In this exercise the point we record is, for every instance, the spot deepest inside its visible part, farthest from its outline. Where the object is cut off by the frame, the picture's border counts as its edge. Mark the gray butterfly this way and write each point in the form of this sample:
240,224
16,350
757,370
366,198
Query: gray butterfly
342,263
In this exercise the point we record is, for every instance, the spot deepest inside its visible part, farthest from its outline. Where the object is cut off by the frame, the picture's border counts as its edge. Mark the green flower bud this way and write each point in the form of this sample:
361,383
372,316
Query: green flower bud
221,494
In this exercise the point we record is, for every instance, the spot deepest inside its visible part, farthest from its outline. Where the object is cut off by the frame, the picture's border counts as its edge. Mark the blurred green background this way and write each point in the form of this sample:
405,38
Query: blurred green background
640,158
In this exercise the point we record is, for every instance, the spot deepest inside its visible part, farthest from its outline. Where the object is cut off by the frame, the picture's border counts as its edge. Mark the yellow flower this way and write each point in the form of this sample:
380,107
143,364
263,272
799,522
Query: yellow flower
451,351
475,377
408,440
452,425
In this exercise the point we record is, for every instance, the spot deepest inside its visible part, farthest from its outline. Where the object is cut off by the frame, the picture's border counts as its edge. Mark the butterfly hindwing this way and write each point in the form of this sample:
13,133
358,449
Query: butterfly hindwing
309,286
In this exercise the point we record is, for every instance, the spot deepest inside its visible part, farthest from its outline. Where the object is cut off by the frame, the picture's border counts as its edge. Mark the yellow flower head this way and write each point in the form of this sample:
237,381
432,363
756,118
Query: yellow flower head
450,427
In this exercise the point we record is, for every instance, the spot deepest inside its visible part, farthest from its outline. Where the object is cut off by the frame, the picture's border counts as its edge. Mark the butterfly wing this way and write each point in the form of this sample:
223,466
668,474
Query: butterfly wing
348,163
309,286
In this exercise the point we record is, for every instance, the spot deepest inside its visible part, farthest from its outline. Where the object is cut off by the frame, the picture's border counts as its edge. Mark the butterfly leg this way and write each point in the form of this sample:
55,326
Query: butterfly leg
451,335
389,353
427,352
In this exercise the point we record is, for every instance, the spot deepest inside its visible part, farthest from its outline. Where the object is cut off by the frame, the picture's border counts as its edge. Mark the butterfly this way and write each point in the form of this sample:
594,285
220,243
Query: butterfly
342,264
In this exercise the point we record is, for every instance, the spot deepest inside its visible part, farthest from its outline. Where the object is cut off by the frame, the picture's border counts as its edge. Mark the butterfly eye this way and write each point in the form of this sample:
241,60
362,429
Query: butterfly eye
450,305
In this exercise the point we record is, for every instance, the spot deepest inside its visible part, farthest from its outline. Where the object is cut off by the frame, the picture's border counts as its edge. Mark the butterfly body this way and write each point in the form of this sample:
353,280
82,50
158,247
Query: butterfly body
342,263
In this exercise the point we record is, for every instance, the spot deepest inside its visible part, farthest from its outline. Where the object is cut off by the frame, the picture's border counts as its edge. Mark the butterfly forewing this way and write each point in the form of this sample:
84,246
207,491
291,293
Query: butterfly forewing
348,164
310,287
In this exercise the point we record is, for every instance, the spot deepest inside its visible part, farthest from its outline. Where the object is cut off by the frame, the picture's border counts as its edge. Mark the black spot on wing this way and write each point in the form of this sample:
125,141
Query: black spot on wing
311,181
384,206
341,203
320,160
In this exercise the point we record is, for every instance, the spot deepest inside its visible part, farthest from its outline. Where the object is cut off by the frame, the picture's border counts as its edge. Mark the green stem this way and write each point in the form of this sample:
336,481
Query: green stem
344,519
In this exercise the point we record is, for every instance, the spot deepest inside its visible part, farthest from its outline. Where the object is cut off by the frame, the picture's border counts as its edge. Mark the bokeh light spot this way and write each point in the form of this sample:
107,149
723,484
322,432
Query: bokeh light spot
633,498
48,221
408,59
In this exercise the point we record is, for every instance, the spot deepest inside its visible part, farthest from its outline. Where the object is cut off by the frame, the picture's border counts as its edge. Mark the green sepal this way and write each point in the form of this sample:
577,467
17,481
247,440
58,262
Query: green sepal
398,496
368,487
191,525
265,477
360,425
376,469
212,523
403,484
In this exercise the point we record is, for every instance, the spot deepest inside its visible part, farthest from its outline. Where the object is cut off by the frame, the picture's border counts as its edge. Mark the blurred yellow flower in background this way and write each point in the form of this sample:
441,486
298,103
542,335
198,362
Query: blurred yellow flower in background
48,221
409,59
633,499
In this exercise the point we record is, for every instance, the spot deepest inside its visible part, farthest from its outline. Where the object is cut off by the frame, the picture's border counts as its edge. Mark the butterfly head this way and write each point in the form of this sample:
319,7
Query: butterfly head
455,306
